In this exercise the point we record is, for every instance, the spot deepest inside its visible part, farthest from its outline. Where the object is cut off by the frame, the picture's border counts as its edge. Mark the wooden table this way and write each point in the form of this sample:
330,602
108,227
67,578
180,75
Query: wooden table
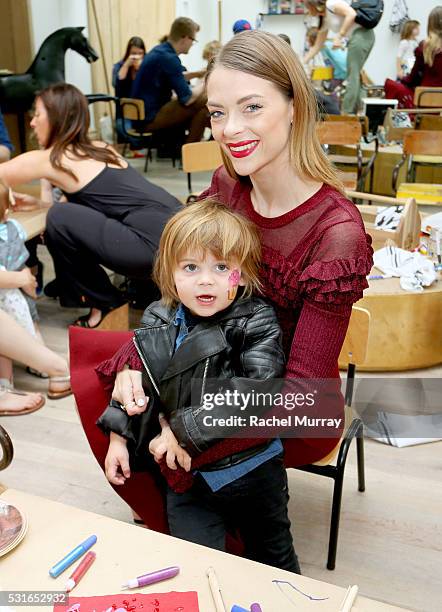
405,328
125,551
34,222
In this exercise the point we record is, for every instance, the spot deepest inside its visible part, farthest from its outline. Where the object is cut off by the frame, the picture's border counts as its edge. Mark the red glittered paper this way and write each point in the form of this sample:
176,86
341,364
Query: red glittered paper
133,602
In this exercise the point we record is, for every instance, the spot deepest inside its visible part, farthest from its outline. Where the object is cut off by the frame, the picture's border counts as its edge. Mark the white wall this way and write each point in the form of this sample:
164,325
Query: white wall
50,15
380,65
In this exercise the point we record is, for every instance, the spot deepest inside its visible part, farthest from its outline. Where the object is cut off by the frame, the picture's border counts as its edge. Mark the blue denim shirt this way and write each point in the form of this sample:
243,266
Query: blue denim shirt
220,478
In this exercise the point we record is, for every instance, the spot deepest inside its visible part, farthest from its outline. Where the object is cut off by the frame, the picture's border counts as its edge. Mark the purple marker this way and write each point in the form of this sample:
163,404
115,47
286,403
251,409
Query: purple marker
255,607
145,579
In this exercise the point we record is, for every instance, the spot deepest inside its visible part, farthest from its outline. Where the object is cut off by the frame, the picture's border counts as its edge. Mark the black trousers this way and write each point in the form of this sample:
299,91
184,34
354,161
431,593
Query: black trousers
255,505
81,240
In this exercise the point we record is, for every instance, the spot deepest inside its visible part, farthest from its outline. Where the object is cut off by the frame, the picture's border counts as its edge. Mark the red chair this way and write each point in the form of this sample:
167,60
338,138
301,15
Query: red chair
88,348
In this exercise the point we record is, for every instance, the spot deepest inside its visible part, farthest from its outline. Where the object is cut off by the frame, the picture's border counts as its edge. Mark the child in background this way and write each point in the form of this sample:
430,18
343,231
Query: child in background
17,283
206,326
407,46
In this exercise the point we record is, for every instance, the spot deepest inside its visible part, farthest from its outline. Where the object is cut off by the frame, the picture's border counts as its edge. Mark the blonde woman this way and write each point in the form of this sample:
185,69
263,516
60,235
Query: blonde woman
315,253
427,69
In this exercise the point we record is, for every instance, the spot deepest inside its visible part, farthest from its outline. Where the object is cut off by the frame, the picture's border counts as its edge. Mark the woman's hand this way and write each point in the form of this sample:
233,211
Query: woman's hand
337,42
25,202
166,444
128,390
116,464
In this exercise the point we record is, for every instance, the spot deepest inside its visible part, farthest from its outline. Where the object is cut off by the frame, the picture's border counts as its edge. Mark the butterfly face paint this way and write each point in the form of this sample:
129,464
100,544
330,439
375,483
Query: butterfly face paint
234,278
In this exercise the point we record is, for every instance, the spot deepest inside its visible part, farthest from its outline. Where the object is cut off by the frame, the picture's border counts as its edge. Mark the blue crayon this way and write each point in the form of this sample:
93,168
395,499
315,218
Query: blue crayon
72,556
239,609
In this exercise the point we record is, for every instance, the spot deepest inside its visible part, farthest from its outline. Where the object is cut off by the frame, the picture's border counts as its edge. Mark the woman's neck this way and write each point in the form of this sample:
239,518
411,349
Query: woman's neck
274,194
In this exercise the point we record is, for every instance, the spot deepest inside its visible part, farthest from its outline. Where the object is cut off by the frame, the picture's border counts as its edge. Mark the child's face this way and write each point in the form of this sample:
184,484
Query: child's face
205,284
416,31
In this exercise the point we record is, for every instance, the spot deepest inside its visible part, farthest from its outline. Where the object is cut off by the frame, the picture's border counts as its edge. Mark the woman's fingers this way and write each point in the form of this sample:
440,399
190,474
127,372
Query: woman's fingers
170,459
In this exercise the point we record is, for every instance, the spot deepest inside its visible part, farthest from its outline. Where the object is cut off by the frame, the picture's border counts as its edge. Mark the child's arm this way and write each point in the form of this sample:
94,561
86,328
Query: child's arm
18,280
166,444
116,463
261,360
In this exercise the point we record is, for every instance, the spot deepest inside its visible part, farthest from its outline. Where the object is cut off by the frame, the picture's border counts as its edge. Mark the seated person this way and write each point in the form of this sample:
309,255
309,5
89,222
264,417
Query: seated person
161,75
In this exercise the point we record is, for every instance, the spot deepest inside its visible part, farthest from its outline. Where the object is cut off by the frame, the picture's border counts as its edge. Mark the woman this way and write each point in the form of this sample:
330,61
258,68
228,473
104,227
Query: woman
123,76
17,344
125,71
316,254
339,16
427,68
113,216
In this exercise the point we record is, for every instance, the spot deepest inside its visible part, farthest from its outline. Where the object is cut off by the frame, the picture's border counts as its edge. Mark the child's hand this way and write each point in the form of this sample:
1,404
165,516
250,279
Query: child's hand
166,444
117,458
28,282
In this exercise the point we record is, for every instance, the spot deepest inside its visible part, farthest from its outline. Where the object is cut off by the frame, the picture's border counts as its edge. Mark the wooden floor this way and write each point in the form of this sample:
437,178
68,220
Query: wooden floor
391,535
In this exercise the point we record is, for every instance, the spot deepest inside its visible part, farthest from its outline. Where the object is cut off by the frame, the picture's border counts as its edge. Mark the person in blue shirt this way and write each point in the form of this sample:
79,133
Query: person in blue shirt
6,147
168,98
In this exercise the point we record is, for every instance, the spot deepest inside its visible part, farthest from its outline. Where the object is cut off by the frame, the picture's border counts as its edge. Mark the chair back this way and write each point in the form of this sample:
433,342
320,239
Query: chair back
429,122
201,156
132,108
428,97
422,142
362,119
354,349
339,132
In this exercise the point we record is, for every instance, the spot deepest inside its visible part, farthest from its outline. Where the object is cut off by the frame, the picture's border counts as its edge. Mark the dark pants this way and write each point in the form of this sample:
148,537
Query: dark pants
195,117
254,505
81,240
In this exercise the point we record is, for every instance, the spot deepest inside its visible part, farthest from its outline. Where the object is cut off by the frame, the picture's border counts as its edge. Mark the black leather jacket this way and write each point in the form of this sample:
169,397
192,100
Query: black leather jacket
240,347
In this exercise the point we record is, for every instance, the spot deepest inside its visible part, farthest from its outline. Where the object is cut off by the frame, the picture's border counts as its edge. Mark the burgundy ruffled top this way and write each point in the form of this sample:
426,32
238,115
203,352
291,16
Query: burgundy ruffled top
314,265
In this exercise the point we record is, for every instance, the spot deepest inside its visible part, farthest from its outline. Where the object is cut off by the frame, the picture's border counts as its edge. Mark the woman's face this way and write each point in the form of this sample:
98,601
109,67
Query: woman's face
137,53
40,123
250,119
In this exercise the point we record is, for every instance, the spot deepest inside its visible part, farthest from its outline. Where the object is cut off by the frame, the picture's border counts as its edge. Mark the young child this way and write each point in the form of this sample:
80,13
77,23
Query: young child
207,326
16,280
17,283
407,46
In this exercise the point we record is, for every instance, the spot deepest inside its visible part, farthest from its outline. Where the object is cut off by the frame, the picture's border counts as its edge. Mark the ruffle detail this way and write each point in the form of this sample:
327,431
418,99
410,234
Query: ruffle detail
126,355
340,281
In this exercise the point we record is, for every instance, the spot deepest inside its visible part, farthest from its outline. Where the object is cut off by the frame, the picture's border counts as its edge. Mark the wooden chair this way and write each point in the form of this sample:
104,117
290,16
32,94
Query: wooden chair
7,449
427,97
353,353
344,133
405,236
200,157
352,160
421,148
133,110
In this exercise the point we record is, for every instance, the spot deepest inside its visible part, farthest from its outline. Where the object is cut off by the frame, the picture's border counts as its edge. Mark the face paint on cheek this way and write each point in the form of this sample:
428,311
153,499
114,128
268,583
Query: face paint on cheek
234,278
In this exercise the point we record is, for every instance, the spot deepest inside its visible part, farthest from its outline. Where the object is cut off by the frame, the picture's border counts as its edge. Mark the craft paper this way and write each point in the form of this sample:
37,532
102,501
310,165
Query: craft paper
133,602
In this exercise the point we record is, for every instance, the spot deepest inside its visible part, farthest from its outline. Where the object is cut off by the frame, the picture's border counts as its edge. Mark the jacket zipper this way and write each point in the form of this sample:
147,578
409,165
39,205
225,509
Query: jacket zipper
146,367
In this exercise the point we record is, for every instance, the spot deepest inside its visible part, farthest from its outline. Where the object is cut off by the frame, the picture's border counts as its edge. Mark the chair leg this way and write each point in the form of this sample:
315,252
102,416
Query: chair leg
334,523
146,161
361,463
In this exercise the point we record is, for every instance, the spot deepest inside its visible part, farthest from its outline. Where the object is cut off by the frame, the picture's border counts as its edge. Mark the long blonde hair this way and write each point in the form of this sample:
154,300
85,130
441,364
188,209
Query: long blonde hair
267,56
433,43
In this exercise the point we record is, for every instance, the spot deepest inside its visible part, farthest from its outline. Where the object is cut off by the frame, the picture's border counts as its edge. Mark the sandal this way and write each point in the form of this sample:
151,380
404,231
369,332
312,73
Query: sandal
54,395
27,410
111,318
37,373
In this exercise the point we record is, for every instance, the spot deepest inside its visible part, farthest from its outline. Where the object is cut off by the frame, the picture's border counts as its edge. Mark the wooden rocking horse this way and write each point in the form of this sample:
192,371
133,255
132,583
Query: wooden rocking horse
17,91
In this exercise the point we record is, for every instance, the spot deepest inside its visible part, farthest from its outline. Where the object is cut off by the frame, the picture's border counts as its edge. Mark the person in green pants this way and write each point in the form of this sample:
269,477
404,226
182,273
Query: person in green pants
339,17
